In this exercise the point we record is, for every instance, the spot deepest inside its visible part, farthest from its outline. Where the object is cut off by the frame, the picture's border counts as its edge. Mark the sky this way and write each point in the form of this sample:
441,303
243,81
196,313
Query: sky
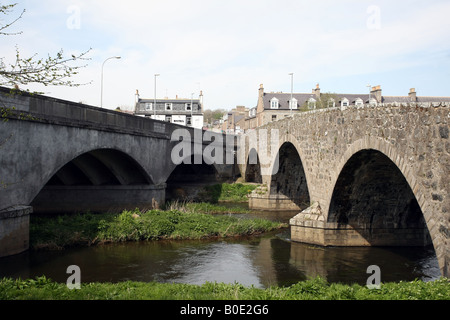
227,49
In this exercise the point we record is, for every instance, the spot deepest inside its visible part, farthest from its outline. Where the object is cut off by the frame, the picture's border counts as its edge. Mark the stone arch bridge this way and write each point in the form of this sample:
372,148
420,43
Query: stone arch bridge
361,176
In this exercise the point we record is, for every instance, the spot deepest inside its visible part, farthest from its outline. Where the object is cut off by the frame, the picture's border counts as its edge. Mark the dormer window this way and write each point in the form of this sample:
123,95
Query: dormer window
344,102
274,103
188,107
148,106
331,103
372,102
168,106
293,104
359,102
311,103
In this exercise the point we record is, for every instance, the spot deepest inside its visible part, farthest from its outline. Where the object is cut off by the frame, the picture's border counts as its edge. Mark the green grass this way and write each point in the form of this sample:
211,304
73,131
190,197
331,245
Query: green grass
235,192
42,288
87,229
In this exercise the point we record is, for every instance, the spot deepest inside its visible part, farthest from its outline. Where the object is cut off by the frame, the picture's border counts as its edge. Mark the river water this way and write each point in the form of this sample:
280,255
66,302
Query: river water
261,261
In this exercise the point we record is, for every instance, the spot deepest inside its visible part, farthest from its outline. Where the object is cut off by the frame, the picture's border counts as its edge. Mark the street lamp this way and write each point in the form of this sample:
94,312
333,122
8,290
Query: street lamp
154,101
292,88
101,93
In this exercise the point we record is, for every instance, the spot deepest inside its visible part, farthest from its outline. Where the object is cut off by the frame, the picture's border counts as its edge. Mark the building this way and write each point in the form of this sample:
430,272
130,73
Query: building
185,112
235,120
275,106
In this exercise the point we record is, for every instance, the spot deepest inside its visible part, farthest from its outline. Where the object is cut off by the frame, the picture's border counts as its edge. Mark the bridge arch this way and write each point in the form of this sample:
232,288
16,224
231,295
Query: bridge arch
289,177
89,180
187,178
371,170
253,167
384,147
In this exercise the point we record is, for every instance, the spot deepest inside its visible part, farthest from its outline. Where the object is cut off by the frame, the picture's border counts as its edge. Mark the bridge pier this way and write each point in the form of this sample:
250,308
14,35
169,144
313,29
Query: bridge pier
14,230
310,226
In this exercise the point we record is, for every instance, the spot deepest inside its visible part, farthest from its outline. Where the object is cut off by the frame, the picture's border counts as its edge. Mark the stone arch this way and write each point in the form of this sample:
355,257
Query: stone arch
289,178
253,167
419,203
385,148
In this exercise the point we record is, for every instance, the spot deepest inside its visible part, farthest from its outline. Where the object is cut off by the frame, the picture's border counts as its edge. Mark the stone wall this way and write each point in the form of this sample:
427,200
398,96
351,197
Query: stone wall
414,139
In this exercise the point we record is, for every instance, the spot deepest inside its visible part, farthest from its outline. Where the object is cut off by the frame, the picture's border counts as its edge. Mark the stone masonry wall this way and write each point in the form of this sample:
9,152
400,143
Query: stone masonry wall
415,139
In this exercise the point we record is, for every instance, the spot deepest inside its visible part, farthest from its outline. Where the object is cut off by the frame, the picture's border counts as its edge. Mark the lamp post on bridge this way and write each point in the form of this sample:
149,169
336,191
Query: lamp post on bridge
101,93
154,101
292,89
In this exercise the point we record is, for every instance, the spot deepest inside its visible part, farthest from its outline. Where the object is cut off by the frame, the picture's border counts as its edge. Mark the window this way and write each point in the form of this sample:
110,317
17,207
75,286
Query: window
274,117
168,119
188,107
188,121
331,103
373,102
148,106
274,103
344,102
168,106
311,103
359,102
293,104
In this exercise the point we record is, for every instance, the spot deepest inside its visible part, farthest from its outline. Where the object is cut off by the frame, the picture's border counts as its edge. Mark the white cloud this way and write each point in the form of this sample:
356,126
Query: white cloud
230,47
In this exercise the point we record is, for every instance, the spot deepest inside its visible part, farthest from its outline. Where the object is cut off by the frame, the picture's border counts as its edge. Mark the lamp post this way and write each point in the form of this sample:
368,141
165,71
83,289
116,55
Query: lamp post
101,93
154,101
292,89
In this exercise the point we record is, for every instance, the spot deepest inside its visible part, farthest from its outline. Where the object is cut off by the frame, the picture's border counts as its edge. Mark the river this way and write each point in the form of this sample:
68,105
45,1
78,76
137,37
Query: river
261,261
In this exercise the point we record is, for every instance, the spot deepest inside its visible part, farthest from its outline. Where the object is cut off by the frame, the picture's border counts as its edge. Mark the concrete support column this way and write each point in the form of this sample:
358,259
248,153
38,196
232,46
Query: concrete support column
14,230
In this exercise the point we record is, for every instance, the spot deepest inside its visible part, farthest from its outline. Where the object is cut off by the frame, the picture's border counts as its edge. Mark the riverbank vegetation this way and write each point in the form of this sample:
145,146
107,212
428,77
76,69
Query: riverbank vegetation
42,288
234,192
179,222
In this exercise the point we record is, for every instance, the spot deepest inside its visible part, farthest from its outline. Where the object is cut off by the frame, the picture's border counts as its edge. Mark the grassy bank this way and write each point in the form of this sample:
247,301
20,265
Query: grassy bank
315,289
185,222
234,192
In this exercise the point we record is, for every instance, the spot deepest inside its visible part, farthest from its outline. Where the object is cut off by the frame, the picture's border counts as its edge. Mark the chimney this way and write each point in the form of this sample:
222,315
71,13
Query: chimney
201,100
412,95
136,100
261,91
316,91
376,93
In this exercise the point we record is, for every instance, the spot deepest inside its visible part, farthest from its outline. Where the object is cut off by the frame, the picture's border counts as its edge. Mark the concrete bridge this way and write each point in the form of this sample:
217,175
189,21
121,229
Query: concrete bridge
58,156
360,176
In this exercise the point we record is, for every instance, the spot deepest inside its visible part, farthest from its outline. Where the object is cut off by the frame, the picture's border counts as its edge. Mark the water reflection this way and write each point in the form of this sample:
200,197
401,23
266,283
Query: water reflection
260,261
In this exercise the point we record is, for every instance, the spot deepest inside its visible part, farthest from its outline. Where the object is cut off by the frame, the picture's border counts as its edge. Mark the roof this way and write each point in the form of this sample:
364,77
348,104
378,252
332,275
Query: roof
283,98
169,100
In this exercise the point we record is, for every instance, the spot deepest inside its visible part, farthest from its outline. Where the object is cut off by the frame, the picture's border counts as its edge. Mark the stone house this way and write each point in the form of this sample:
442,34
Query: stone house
275,106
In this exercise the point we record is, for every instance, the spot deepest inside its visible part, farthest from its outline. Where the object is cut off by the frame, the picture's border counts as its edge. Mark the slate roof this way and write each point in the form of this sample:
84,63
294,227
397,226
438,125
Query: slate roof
283,99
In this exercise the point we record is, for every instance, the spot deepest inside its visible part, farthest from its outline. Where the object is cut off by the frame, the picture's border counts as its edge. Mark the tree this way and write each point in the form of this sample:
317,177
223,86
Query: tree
53,70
